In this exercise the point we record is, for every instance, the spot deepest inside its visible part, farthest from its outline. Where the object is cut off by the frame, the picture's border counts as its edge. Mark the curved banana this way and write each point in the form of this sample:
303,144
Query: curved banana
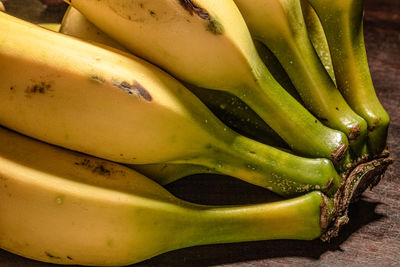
228,108
64,207
280,25
211,47
342,21
115,106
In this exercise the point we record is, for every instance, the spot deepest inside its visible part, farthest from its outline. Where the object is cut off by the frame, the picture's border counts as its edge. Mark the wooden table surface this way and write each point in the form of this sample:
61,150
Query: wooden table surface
372,237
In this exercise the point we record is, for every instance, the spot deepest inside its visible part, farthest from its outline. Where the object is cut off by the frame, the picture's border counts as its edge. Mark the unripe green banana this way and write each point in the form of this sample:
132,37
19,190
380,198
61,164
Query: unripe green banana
211,47
118,107
317,37
342,21
63,207
280,25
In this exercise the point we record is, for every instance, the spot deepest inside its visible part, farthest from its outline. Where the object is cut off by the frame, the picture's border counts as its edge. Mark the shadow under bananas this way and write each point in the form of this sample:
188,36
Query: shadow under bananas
361,213
34,11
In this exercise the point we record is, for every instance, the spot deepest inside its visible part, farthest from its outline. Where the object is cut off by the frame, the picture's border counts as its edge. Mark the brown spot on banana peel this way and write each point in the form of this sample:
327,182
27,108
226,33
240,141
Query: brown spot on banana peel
97,79
51,256
213,25
99,167
134,89
374,125
38,88
94,167
339,153
354,133
142,91
190,6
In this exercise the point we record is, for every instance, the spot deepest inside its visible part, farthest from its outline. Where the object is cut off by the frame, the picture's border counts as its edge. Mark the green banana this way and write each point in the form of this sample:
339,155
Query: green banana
118,107
342,21
317,37
63,207
280,25
210,38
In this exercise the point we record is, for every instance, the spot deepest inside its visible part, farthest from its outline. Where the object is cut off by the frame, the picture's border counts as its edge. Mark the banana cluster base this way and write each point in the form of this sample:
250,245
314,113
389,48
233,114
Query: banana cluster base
364,173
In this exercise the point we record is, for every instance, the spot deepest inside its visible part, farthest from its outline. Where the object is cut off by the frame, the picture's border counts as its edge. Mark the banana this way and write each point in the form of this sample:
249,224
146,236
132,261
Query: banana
63,207
115,106
55,27
342,21
75,24
211,47
228,108
279,24
317,37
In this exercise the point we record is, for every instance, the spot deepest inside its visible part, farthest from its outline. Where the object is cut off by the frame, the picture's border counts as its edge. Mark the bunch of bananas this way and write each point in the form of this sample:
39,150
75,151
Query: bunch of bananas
290,77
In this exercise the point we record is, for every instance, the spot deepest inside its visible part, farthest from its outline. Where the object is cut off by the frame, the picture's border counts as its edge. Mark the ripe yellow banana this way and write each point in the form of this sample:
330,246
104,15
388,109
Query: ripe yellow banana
64,207
75,24
230,109
114,106
207,43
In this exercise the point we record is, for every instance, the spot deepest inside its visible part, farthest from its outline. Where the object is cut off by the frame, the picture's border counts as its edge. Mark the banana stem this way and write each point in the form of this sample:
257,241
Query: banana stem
238,116
268,167
304,133
305,217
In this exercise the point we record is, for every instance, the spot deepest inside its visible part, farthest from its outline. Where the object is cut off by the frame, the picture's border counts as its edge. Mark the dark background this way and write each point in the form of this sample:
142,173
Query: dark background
372,237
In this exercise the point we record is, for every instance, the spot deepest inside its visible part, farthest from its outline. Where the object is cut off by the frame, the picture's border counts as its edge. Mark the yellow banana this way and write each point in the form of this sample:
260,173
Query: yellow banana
207,43
230,109
75,24
114,106
64,207
55,27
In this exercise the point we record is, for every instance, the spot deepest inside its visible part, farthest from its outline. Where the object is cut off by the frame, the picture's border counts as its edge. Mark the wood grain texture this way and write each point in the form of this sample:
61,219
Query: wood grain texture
372,237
